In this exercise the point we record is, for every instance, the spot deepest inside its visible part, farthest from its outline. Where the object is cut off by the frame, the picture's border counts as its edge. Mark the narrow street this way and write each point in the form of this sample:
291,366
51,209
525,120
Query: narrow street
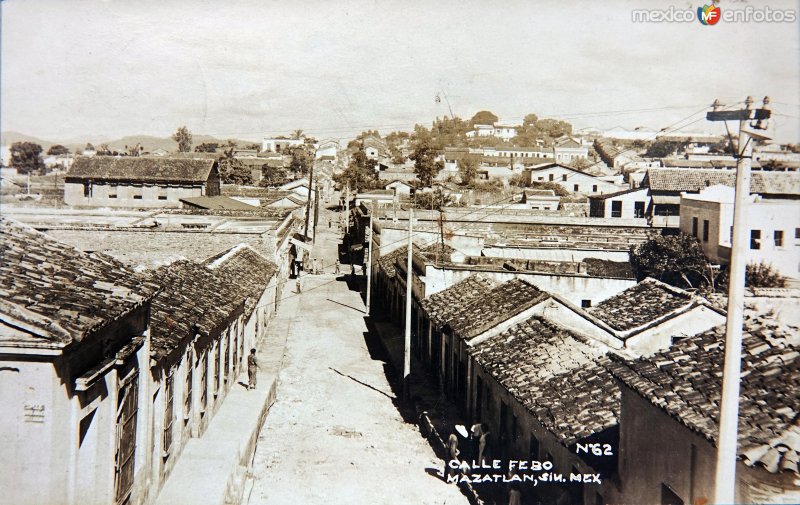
334,435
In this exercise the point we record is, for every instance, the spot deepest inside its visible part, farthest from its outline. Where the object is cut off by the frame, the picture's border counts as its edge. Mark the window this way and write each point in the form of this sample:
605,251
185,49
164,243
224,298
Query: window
533,448
797,233
755,239
169,415
187,388
564,177
694,227
112,195
778,236
551,177
586,304
575,187
127,409
162,197
638,209
137,197
87,189
204,382
594,188
217,368
705,230
616,208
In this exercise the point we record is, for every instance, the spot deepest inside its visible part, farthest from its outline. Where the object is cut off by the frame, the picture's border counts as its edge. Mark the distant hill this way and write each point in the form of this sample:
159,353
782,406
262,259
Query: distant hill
10,137
149,142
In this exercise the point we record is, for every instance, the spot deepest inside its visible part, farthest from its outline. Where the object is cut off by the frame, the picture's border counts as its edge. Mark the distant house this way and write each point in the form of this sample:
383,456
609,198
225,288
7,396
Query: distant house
277,145
574,181
540,199
159,152
773,227
503,131
105,181
399,187
668,184
626,204
568,149
376,198
74,366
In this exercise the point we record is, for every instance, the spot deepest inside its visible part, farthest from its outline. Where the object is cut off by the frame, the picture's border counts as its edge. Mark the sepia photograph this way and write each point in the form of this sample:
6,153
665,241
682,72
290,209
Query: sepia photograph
536,252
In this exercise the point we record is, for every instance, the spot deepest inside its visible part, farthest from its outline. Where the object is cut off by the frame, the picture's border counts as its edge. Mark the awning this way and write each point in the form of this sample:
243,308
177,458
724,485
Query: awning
300,244
666,199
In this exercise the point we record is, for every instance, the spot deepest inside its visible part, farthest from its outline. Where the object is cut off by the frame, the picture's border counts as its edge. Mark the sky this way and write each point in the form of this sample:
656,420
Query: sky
94,69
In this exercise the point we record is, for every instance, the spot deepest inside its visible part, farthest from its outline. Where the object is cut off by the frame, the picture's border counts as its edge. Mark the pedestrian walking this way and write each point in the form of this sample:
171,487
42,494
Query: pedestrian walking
314,266
483,443
452,454
252,367
337,265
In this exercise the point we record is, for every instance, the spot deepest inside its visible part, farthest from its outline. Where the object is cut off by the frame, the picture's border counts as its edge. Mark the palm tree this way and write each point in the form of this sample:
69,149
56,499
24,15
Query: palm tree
296,134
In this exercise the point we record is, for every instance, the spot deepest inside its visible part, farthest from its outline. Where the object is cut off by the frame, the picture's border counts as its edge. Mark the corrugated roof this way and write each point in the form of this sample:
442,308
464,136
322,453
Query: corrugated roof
690,180
162,169
641,304
686,382
218,203
59,294
554,374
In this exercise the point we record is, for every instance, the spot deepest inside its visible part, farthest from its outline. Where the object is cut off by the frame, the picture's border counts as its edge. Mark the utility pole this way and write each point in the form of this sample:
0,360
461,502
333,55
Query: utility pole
347,210
316,212
308,202
727,444
409,277
369,257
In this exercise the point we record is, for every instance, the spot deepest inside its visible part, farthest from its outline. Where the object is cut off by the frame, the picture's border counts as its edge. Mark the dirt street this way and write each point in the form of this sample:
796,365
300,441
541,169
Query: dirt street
334,435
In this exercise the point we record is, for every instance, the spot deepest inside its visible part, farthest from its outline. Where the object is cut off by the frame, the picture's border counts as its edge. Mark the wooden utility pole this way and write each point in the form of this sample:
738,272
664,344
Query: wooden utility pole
409,277
727,445
316,213
347,210
368,236
308,202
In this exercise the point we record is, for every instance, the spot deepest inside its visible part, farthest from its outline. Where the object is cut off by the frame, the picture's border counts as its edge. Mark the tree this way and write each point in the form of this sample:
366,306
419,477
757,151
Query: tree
357,176
104,150
674,259
530,120
483,117
763,275
662,149
468,168
580,164
301,159
553,128
57,150
424,165
297,134
233,171
207,147
432,200
184,139
25,157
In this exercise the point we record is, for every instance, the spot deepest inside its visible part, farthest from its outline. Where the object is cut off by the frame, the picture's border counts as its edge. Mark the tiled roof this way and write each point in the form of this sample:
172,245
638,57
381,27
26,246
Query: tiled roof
641,304
217,203
142,169
499,304
192,295
691,180
438,250
440,306
554,374
386,262
252,191
686,382
248,269
58,293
